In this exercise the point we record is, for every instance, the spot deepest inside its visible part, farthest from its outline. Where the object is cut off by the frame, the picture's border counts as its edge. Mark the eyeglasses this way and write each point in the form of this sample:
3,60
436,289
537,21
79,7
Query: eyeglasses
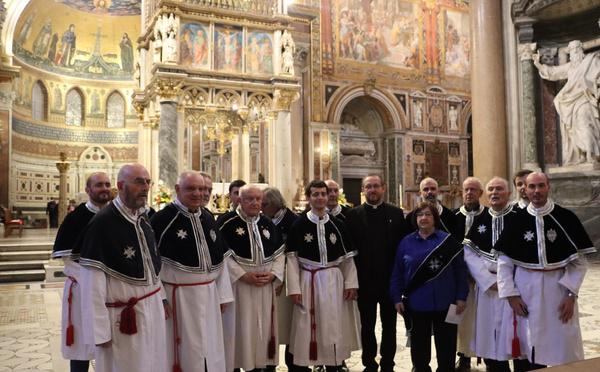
424,214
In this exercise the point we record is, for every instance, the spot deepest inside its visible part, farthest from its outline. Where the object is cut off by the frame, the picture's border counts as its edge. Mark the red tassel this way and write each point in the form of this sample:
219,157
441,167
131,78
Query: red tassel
128,322
70,335
313,350
177,368
271,352
516,347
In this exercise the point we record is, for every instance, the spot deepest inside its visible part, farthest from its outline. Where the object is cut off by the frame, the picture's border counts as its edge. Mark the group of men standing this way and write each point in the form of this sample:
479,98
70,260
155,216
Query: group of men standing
182,292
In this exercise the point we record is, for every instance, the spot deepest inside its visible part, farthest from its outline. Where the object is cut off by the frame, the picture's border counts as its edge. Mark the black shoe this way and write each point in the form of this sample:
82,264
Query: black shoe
463,364
319,369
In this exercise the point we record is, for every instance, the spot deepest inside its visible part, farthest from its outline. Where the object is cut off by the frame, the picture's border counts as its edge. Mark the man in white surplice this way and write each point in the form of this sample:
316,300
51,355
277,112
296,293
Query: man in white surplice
321,278
122,293
256,268
195,277
540,270
493,318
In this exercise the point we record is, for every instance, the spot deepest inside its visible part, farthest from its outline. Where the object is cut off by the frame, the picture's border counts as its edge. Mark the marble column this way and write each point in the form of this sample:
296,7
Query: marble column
487,90
528,106
168,144
235,156
63,168
280,139
245,154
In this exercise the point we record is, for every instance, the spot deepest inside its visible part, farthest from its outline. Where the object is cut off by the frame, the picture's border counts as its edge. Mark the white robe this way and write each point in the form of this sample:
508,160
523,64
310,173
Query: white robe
79,350
247,324
542,291
199,317
493,322
338,322
144,351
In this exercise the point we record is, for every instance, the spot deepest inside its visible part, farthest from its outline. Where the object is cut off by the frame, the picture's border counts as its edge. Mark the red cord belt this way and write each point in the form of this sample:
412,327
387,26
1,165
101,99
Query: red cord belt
70,333
127,324
313,321
176,338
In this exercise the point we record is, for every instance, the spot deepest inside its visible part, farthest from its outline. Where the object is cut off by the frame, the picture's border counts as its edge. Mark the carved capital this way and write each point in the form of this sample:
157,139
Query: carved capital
526,51
63,164
167,89
139,109
283,98
152,123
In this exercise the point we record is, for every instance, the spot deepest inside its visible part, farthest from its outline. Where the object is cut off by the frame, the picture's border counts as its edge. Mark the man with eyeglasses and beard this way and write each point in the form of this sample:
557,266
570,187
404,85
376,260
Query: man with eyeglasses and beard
73,346
122,292
429,189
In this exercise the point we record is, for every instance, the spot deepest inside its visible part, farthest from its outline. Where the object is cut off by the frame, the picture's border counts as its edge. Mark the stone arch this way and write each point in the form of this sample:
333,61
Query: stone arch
195,96
94,159
384,103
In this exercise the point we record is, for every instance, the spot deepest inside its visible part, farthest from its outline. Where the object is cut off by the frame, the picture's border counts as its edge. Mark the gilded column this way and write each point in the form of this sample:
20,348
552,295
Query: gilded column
280,174
63,168
528,106
487,90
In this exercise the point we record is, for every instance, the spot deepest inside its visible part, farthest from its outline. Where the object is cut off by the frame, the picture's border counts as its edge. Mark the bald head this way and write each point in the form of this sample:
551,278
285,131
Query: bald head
333,193
538,188
498,192
189,190
471,192
428,189
98,188
133,182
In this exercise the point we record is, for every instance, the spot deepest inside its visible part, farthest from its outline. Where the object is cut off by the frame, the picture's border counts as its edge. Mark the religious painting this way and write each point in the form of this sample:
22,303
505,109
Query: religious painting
228,48
436,161
382,32
112,7
259,53
418,173
194,45
418,147
457,48
57,99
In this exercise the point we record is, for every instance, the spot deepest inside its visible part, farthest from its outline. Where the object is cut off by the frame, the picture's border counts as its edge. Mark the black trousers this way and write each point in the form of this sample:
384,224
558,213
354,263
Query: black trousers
444,335
496,365
80,365
367,305
523,365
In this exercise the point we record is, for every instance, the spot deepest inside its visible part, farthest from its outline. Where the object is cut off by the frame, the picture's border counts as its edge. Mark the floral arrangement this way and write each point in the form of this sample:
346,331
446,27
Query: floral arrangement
163,196
342,199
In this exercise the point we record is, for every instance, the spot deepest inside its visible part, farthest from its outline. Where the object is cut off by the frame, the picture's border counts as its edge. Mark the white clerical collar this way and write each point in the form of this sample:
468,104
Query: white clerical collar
92,207
336,210
126,211
374,206
464,210
316,219
507,208
245,217
543,210
279,216
185,209
522,203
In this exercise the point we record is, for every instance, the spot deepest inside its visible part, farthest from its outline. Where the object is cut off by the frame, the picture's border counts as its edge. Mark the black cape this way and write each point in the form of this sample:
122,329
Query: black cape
460,215
341,214
485,231
251,243
319,247
188,241
284,222
564,238
70,230
121,246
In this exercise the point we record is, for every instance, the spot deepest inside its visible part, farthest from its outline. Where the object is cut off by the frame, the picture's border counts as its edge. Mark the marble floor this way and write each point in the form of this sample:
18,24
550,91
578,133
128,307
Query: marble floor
30,323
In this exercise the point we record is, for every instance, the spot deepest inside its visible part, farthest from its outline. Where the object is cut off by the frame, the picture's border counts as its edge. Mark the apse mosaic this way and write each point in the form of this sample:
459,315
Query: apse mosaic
112,7
79,43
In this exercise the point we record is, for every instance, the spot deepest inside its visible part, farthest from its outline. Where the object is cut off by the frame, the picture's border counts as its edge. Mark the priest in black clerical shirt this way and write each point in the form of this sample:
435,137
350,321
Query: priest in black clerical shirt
376,228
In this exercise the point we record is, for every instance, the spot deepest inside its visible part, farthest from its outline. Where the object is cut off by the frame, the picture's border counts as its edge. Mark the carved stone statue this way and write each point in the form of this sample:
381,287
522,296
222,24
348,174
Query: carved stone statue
288,47
577,103
453,118
418,114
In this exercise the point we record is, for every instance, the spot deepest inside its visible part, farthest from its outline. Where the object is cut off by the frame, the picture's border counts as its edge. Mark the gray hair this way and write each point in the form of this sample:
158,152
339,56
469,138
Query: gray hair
473,179
187,174
496,178
273,197
427,179
249,187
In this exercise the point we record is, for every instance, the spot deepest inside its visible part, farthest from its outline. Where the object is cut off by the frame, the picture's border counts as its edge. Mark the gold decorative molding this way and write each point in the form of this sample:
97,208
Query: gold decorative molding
167,89
139,109
283,98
